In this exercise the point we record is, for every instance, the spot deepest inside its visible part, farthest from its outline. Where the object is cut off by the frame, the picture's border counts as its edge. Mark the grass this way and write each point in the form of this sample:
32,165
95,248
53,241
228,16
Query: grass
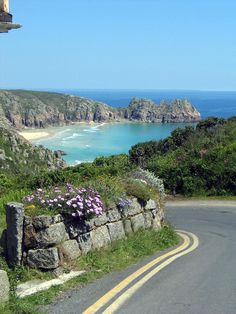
117,256
11,196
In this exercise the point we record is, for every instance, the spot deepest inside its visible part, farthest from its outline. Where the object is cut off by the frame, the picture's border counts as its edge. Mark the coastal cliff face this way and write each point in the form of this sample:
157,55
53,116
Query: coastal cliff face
146,110
41,109
19,109
18,155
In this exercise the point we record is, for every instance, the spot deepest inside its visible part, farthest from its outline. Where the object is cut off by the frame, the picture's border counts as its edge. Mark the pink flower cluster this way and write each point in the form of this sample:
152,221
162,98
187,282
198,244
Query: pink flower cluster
80,202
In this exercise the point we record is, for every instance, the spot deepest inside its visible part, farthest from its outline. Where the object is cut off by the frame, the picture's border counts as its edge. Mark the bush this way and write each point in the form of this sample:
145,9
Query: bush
151,180
140,153
138,189
109,187
192,161
6,182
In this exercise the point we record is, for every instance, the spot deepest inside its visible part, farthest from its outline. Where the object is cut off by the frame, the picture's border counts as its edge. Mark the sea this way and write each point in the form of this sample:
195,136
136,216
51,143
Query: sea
84,142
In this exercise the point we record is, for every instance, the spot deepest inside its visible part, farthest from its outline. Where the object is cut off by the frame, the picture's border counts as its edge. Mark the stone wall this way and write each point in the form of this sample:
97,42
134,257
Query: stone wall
4,287
46,242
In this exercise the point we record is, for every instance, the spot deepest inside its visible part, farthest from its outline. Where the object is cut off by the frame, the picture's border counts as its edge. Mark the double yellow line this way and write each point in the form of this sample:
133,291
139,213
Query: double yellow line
185,248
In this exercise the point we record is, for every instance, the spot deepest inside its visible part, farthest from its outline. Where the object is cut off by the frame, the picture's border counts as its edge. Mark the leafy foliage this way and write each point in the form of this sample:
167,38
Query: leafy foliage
139,189
151,180
199,161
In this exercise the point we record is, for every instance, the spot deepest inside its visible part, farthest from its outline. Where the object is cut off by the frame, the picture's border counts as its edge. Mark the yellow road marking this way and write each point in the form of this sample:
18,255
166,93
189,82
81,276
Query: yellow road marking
131,291
124,283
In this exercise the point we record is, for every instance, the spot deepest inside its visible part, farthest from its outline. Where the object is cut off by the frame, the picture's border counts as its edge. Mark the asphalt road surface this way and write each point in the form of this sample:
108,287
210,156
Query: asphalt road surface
201,282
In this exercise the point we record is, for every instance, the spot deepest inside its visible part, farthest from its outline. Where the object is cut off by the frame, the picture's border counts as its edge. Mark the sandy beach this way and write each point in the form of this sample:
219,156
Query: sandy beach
31,135
36,134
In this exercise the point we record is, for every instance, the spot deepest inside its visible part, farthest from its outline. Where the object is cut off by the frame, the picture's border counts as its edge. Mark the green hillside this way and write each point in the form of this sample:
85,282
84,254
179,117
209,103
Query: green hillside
199,161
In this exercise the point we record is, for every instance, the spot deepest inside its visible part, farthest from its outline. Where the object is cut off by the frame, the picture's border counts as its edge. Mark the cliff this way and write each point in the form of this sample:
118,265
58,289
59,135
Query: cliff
146,110
40,109
18,155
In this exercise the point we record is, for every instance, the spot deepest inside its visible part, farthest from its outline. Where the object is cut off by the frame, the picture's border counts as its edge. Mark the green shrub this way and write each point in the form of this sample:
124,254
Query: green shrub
110,188
152,180
6,182
141,190
199,161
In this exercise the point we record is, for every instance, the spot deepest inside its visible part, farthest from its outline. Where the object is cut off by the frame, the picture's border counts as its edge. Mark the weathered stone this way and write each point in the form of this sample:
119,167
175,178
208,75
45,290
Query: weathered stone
154,213
156,224
161,213
43,258
134,209
27,221
56,219
116,230
148,219
137,222
113,215
77,227
101,220
4,287
70,249
127,227
3,242
42,222
55,234
59,271
100,237
151,204
85,242
30,237
15,221
90,224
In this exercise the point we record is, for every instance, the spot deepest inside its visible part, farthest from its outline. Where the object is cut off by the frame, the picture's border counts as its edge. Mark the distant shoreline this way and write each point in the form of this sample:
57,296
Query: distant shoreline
37,135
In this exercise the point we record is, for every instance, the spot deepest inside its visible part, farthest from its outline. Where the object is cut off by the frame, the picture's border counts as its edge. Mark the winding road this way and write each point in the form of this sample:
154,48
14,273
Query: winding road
197,277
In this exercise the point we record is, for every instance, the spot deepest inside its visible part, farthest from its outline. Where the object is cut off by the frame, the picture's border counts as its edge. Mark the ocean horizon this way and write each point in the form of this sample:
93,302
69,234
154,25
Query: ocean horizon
84,142
208,103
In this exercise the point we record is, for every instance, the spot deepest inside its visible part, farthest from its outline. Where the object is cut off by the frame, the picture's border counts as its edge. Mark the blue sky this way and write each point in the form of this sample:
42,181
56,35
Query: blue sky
116,44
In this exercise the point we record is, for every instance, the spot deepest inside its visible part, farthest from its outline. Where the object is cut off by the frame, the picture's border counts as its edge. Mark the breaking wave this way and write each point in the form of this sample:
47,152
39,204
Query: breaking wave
74,135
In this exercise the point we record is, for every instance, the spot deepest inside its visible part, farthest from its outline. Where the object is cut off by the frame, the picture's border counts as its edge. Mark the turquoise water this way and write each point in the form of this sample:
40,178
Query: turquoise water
85,142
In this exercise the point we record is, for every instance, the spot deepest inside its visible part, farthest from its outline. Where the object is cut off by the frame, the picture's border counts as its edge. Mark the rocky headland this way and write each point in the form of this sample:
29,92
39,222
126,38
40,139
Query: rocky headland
42,109
21,109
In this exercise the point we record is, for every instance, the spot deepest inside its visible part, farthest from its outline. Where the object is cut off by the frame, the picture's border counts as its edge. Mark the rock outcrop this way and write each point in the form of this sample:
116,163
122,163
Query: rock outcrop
147,111
41,109
4,287
19,155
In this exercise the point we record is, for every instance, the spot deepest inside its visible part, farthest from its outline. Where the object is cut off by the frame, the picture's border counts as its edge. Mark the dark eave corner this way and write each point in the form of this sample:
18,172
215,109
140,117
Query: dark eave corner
6,20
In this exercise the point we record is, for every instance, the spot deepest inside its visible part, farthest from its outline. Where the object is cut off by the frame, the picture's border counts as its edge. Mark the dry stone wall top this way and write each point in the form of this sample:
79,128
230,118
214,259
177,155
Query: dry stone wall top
46,242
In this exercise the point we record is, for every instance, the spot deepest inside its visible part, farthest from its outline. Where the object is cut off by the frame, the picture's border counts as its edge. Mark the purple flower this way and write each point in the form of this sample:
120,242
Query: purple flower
80,202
